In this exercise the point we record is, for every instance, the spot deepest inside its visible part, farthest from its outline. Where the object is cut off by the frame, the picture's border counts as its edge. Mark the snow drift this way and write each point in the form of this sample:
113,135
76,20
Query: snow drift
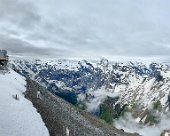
18,117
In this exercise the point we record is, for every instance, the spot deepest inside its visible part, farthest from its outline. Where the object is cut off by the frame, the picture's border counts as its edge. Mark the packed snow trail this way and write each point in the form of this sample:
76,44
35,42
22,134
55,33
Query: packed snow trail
18,117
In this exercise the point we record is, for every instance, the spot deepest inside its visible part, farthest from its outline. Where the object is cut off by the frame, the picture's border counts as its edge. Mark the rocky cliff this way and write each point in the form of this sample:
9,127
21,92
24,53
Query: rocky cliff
59,115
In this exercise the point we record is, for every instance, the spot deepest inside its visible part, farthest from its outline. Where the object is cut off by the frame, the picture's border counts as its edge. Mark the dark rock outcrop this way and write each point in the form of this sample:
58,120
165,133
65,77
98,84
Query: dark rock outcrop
59,115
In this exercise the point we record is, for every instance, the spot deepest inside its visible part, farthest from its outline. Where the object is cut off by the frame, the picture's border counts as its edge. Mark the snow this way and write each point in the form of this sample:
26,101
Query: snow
167,134
137,119
149,85
18,117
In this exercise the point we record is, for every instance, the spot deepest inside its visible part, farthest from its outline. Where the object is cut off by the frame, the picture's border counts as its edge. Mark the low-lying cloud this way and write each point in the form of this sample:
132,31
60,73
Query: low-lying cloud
99,96
129,124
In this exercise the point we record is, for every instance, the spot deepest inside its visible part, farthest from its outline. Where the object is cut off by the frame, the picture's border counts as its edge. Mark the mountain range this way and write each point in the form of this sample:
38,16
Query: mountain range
106,89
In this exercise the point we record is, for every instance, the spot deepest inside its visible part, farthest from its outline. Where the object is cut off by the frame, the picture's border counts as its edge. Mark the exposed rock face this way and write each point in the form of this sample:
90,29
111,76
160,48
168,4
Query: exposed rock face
59,115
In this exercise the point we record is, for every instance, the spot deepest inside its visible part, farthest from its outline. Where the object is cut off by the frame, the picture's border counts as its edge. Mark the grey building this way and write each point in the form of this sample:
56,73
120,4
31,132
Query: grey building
3,57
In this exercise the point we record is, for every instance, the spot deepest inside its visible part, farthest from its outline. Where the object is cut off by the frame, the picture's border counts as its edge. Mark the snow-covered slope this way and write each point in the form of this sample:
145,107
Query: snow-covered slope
18,117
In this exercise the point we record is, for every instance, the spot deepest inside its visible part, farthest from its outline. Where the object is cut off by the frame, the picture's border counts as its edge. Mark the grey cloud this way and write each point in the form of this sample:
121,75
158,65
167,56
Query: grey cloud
20,13
20,47
90,28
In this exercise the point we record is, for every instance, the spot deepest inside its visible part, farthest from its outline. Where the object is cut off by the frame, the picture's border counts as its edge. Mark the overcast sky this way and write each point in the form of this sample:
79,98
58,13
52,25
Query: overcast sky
86,28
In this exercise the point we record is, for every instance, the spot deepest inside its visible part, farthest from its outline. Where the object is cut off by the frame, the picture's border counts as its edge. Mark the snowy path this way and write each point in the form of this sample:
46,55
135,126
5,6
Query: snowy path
18,117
